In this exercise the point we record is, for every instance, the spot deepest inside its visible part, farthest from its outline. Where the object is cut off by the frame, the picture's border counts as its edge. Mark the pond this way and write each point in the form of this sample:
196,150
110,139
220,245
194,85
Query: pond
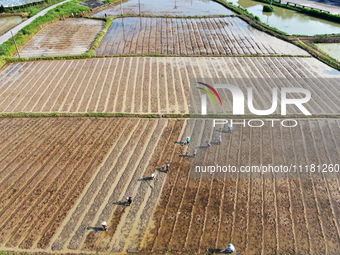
288,21
172,7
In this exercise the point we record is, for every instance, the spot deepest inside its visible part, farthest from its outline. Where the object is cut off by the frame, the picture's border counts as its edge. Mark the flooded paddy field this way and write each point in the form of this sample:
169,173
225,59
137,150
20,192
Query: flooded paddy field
161,8
61,177
288,21
157,85
69,37
8,22
203,36
332,49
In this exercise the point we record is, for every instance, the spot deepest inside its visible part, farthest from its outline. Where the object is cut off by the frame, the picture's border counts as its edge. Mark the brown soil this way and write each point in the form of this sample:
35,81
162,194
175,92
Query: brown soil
64,176
69,37
130,85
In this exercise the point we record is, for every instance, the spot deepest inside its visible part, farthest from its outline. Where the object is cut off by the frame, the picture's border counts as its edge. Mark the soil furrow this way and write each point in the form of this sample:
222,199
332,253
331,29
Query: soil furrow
16,193
43,233
163,156
123,84
55,100
26,153
35,191
104,97
98,89
255,204
92,191
131,87
122,237
106,208
101,202
114,88
14,98
183,220
11,147
81,102
93,90
323,190
7,89
66,71
73,89
170,41
33,97
169,198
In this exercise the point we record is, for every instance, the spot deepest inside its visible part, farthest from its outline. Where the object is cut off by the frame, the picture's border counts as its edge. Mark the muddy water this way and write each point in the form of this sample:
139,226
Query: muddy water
289,21
6,23
171,7
332,49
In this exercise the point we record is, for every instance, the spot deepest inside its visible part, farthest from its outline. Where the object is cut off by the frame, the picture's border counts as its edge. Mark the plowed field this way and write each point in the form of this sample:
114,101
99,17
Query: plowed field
205,36
156,85
60,177
69,37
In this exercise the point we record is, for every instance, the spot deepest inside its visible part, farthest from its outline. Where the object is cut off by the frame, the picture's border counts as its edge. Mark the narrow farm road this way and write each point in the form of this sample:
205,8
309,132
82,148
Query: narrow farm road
16,29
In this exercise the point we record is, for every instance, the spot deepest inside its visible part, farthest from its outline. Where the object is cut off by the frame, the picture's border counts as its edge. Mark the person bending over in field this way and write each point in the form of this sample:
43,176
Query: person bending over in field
230,249
128,201
104,225
167,167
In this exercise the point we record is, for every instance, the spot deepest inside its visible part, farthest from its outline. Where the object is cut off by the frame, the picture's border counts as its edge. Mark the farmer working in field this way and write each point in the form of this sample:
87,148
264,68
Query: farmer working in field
129,201
167,167
104,225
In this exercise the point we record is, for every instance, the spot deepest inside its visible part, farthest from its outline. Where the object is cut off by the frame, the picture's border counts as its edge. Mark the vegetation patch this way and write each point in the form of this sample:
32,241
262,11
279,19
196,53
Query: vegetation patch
311,12
268,8
99,38
32,8
25,34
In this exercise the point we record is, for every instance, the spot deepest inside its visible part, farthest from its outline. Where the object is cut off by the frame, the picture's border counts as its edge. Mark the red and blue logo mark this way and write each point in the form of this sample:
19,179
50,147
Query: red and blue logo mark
209,93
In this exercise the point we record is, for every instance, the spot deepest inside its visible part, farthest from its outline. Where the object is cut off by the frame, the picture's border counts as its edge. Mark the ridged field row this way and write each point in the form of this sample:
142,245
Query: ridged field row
62,177
160,85
291,213
55,170
201,36
61,38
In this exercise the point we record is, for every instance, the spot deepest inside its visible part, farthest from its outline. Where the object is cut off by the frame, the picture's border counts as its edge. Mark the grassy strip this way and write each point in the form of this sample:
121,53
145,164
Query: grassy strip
171,16
89,114
314,13
2,63
88,55
319,55
28,32
100,36
170,115
22,14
